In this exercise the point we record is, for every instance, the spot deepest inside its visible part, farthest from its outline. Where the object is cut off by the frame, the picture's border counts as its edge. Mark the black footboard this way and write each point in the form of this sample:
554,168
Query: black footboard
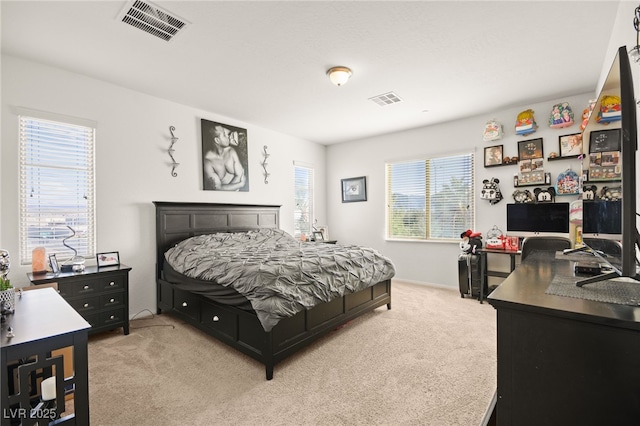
242,330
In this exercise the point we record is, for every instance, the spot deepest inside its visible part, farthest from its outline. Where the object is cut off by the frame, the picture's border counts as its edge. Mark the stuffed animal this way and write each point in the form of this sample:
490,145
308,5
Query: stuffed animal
545,195
471,241
522,196
589,192
491,191
611,194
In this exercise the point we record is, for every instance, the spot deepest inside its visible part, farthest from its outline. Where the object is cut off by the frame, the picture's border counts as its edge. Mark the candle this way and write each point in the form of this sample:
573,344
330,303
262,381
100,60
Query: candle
48,388
38,263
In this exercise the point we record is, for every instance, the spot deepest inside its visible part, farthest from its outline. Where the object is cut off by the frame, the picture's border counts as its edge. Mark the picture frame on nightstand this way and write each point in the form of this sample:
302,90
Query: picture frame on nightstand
55,268
318,236
111,258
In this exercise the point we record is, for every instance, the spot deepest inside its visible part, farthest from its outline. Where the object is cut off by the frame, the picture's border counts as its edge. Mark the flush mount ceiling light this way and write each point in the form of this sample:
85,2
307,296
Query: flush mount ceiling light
339,75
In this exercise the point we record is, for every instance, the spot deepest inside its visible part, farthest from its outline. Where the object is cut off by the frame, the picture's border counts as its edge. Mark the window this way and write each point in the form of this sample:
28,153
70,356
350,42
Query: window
56,188
430,199
303,211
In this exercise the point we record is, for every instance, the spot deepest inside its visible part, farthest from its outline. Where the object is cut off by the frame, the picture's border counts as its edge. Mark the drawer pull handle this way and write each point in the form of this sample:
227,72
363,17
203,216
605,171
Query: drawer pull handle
112,317
215,318
86,287
184,304
86,305
112,300
112,283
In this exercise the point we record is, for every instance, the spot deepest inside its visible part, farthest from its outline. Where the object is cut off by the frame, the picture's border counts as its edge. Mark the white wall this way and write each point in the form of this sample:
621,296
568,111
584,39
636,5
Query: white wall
435,262
132,165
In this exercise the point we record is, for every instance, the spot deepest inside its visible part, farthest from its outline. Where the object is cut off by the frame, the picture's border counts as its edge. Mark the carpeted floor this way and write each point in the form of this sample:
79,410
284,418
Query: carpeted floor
430,360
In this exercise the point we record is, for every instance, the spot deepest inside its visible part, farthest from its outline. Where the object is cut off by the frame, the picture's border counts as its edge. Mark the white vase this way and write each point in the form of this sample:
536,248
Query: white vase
9,298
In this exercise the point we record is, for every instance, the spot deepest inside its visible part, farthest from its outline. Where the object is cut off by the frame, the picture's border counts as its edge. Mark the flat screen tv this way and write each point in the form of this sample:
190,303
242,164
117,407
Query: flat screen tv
538,217
620,81
602,219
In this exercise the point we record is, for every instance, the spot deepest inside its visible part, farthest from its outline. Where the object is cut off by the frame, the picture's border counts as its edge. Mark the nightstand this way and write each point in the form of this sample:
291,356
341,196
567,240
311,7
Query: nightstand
100,295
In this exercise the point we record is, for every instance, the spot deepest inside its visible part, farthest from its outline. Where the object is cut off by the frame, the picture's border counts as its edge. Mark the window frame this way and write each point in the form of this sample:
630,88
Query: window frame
77,141
468,166
310,187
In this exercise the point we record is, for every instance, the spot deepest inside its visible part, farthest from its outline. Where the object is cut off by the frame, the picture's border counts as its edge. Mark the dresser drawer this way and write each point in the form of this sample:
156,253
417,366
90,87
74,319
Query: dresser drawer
112,300
113,317
85,305
219,319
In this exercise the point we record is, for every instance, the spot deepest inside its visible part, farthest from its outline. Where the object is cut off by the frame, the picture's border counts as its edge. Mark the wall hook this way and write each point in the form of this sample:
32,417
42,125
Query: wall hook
264,164
170,151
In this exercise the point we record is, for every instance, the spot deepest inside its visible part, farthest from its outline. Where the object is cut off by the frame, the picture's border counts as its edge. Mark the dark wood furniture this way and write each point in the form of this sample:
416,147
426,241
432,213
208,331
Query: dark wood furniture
239,328
42,323
485,272
100,295
563,360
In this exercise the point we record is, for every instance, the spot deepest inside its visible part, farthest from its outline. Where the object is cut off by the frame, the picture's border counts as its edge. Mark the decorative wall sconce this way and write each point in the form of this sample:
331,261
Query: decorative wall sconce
634,53
264,164
170,151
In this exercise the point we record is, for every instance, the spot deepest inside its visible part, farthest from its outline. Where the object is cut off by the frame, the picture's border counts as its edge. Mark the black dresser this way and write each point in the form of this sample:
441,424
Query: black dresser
100,295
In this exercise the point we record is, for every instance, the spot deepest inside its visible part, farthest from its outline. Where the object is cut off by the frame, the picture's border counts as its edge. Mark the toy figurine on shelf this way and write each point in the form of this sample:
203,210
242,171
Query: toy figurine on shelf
526,123
471,241
586,113
561,116
610,109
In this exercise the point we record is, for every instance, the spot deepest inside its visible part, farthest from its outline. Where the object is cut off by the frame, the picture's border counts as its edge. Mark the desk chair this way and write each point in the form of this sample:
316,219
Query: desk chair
554,244
608,247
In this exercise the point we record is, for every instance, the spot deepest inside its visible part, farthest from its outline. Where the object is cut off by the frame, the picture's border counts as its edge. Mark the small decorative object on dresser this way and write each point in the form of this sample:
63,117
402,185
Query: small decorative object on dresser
318,236
108,259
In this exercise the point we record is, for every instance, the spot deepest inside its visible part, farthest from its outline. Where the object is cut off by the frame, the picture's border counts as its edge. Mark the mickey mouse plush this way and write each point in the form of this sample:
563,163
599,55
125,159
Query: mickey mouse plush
545,195
589,192
471,241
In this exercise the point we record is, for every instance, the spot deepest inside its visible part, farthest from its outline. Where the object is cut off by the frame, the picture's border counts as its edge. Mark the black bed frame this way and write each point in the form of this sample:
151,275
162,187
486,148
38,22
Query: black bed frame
236,327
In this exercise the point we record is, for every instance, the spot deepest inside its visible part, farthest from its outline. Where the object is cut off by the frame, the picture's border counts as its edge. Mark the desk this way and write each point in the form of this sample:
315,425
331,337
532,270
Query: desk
563,360
484,269
42,323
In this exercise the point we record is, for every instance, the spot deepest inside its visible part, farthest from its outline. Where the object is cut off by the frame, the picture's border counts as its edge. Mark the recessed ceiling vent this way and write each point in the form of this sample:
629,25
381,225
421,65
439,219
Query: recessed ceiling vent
386,99
151,19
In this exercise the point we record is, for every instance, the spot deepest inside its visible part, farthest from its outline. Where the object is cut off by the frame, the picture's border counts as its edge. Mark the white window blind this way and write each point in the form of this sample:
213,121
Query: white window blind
430,199
56,188
303,211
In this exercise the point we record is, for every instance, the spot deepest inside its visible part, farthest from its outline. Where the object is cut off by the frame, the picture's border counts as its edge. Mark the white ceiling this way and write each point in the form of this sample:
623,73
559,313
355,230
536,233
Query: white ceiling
264,62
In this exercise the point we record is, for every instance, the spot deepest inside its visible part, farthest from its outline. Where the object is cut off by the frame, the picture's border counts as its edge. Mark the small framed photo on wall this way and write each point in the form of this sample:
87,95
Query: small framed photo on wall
493,156
530,149
354,189
570,145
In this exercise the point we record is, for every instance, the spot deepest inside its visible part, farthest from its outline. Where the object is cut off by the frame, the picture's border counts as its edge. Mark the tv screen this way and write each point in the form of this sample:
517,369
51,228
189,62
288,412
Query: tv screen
602,217
541,217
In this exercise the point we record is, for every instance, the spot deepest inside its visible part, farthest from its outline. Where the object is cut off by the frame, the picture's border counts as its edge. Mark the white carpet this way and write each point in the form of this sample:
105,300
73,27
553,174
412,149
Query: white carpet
430,360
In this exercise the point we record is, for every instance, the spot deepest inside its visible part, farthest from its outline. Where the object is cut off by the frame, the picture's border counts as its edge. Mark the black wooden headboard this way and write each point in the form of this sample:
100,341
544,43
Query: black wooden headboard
178,221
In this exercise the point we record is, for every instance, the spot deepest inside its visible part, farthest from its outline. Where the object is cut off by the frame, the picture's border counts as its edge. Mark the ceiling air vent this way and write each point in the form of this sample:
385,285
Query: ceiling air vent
151,19
386,99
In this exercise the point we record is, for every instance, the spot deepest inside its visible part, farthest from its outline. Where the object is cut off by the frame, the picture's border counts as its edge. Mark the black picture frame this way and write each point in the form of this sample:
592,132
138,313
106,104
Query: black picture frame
570,146
53,261
604,140
530,149
318,236
221,143
354,189
493,155
110,258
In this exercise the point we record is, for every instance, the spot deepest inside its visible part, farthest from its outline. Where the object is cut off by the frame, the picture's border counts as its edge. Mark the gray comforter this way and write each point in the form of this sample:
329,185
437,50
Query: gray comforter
278,274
